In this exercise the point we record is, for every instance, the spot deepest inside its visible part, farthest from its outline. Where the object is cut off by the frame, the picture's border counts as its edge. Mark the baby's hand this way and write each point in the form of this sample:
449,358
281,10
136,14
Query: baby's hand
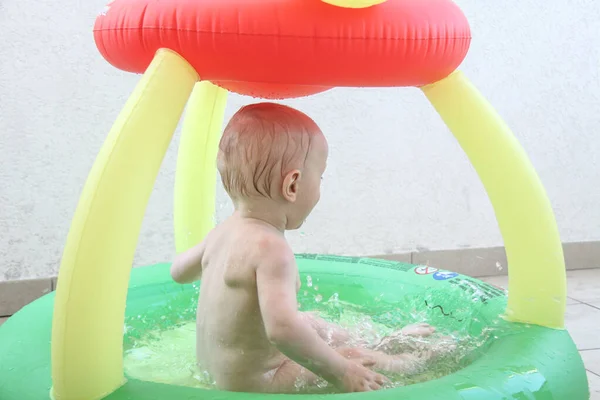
360,379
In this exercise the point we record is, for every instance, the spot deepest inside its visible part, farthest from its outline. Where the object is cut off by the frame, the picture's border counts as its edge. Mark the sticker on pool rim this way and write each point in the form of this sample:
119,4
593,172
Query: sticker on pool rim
444,275
425,270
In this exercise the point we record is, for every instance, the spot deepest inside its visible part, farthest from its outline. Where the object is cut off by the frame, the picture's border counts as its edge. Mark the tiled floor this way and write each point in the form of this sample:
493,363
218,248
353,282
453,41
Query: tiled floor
582,319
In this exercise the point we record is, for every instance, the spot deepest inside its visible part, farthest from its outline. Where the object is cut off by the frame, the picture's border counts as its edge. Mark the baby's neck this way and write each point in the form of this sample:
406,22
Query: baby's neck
265,210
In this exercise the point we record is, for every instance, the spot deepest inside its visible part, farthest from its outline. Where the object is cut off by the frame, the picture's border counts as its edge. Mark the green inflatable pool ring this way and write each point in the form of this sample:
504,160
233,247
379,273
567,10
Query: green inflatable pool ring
519,361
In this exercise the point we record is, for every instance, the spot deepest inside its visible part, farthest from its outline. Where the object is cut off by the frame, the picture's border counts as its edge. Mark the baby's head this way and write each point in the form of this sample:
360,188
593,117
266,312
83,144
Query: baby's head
273,153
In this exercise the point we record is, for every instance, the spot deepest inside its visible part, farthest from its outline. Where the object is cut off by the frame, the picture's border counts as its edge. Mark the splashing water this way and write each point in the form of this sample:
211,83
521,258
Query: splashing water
309,282
166,354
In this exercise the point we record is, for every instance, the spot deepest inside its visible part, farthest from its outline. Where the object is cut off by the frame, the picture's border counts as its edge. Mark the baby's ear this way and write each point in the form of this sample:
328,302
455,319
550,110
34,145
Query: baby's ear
289,189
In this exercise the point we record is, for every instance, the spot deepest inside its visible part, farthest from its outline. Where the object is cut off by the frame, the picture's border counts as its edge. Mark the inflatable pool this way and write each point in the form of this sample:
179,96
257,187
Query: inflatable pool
517,362
69,345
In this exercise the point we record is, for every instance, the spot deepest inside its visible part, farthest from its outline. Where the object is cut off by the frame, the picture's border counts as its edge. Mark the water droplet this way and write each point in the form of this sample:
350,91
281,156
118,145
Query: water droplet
318,298
309,281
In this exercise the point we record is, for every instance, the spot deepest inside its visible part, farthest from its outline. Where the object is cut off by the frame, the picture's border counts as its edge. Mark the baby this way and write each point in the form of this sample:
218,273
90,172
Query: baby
250,335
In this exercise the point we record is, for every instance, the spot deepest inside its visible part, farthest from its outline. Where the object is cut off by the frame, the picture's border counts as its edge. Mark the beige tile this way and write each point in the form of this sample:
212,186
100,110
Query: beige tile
591,359
582,255
491,261
571,301
502,281
2,320
584,285
582,322
16,294
473,262
404,257
594,383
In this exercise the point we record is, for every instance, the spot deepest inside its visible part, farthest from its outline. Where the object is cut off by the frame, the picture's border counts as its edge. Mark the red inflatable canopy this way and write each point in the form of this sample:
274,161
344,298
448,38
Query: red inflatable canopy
289,48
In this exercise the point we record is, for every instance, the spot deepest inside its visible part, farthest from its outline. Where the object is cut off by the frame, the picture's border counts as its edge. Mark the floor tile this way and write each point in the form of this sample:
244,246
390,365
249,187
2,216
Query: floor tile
591,359
502,281
584,285
582,255
594,382
16,294
571,301
581,321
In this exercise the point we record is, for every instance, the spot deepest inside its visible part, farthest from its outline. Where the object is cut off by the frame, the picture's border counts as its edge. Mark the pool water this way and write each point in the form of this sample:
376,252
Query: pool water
165,352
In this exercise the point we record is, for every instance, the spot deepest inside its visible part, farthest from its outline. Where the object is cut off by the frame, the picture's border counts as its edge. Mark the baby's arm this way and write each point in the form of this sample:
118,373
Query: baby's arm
187,266
289,332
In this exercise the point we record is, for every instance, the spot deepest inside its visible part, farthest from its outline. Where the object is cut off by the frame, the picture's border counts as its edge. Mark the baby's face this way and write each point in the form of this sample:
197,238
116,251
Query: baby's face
309,191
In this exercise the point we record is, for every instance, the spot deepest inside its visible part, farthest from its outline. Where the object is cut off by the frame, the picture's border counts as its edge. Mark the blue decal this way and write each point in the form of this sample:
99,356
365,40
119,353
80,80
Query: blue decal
444,275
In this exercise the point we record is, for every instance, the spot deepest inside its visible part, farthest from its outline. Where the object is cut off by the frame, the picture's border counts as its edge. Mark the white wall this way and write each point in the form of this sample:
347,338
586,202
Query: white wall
397,181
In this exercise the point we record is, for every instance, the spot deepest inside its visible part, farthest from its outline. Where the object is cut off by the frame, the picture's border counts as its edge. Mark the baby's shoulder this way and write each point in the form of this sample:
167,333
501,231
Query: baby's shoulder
264,245
270,242
252,243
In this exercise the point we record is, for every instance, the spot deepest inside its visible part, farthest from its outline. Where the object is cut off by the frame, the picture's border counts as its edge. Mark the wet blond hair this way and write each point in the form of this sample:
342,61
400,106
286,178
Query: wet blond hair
262,143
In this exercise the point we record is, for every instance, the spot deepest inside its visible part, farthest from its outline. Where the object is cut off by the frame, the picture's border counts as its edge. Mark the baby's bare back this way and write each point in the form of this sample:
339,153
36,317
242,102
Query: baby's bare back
232,344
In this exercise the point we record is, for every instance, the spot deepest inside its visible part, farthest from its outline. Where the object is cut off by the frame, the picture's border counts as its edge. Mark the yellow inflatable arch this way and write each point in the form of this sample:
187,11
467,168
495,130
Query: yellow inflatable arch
87,333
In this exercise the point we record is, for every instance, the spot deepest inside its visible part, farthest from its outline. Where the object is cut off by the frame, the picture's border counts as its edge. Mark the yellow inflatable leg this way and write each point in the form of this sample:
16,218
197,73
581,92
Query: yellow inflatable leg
196,176
537,289
87,329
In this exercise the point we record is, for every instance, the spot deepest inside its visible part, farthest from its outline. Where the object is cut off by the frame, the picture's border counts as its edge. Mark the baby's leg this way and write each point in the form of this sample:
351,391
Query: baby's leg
291,377
400,363
418,330
403,341
333,334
